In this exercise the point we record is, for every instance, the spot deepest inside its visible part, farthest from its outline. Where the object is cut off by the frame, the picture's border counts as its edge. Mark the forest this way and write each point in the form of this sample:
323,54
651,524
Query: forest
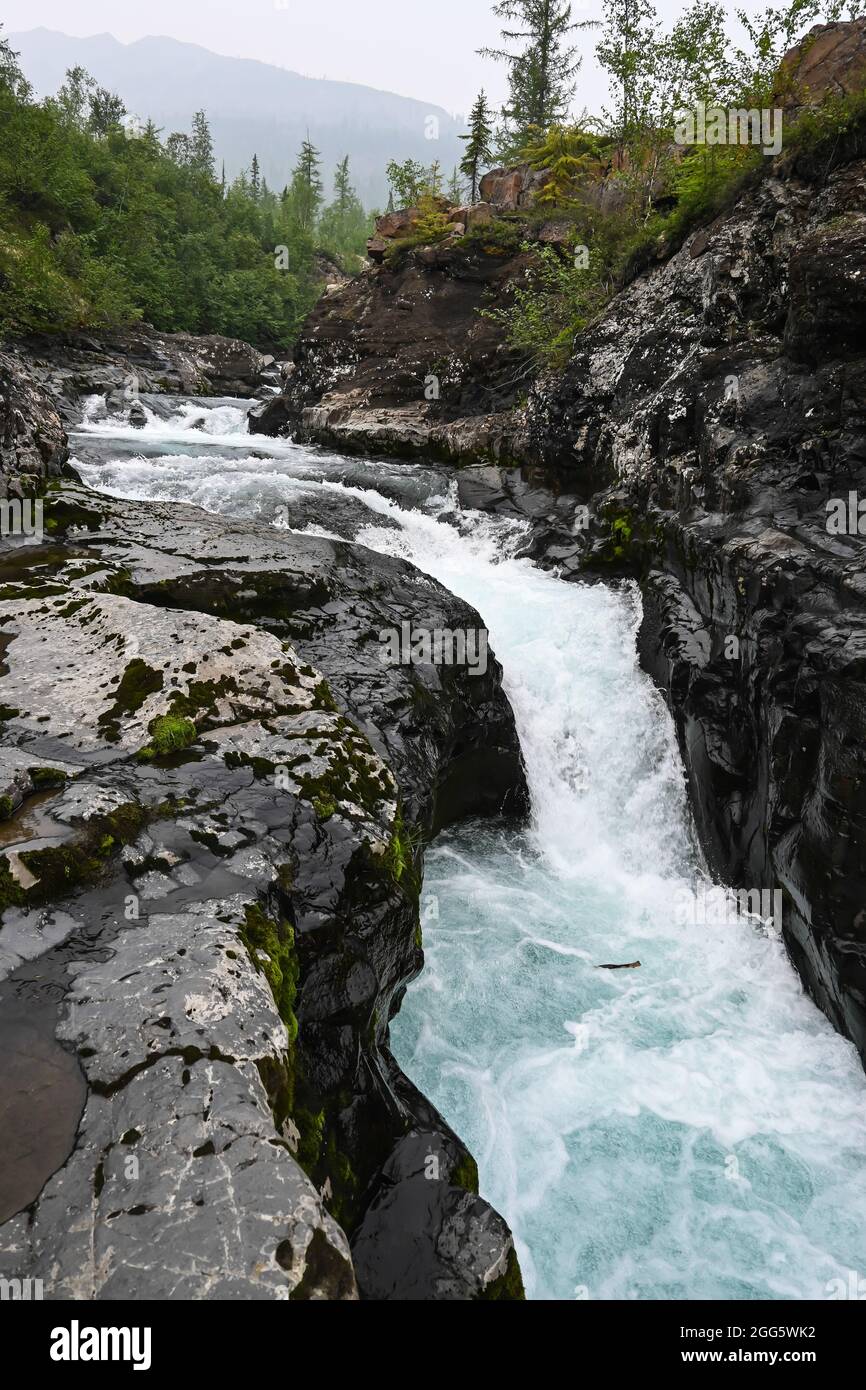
107,220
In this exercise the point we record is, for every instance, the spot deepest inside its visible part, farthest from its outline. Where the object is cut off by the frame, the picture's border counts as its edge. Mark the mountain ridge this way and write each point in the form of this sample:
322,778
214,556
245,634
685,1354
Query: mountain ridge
252,106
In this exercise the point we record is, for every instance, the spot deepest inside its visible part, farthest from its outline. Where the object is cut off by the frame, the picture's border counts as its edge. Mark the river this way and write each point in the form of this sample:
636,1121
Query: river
691,1126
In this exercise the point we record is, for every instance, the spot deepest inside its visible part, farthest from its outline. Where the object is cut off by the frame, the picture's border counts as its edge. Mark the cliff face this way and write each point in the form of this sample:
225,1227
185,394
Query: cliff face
402,361
119,363
708,420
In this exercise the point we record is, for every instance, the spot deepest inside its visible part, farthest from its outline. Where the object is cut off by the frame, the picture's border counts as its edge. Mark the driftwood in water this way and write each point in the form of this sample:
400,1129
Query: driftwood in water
632,965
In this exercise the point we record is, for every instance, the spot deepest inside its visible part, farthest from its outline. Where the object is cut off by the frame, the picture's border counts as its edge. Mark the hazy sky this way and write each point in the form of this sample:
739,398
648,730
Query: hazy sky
420,48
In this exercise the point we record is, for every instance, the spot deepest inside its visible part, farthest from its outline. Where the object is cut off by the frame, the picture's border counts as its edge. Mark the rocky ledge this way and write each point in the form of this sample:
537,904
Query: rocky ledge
402,361
122,364
215,798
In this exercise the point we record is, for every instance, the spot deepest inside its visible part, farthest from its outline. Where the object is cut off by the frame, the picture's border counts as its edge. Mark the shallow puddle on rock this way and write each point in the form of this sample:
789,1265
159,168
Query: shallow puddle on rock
42,1094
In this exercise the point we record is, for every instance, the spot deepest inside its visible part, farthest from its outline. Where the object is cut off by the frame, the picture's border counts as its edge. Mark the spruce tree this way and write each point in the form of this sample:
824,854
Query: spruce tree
343,226
201,146
542,64
479,141
306,190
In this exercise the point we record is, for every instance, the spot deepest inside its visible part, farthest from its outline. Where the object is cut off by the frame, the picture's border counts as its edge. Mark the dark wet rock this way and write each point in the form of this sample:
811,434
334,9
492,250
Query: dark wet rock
401,362
33,444
126,363
704,425
473,1253
137,415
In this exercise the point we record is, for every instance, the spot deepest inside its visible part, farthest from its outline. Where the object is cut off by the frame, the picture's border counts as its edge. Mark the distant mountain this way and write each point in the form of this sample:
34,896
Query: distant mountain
252,107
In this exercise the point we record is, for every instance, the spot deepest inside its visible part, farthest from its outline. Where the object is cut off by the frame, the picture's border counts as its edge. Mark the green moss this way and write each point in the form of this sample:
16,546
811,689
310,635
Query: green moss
311,1126
631,541
62,513
262,768
400,857
11,892
349,777
271,947
323,697
324,808
44,778
60,869
6,807
508,1288
169,734
19,592
202,696
137,682
345,1185
465,1174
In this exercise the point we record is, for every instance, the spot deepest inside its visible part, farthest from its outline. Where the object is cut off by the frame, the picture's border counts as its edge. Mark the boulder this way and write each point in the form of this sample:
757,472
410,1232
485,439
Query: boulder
829,61
479,215
376,248
508,190
396,224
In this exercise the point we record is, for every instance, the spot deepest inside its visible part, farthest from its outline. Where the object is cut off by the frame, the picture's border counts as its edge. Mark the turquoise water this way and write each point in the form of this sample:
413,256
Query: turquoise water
689,1128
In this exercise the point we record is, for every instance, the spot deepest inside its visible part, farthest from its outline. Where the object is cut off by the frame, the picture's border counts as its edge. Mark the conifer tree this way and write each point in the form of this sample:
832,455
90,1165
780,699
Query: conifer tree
306,191
201,146
479,142
542,64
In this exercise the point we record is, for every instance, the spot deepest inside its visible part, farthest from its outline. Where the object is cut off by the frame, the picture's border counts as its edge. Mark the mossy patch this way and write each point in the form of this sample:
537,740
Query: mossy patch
508,1288
61,869
465,1174
169,733
44,778
137,683
401,855
323,697
64,513
271,947
349,777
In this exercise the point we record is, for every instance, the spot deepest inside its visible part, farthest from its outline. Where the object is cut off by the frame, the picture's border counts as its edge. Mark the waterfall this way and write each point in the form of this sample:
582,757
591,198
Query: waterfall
689,1126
